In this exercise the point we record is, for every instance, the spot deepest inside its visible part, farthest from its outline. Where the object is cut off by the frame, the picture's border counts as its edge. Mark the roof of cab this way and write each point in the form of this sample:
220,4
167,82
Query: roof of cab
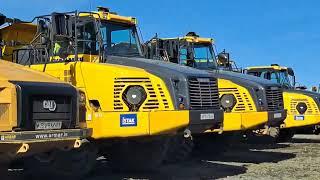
274,67
104,14
192,39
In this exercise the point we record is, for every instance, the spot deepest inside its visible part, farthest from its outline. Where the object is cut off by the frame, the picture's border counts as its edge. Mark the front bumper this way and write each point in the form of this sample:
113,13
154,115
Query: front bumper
110,124
293,121
203,120
13,144
244,121
276,118
43,136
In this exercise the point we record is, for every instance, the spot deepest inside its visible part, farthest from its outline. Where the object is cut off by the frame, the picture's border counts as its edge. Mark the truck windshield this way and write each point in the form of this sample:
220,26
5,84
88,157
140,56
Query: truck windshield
281,77
285,79
120,39
202,57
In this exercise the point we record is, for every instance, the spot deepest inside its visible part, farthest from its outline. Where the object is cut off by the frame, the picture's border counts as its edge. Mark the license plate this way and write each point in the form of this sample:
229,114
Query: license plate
45,125
299,118
277,115
207,116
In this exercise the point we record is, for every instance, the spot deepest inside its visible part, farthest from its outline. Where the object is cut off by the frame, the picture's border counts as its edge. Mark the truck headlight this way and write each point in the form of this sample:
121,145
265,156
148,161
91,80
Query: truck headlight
228,101
81,107
82,98
260,99
260,102
317,99
134,96
301,107
181,103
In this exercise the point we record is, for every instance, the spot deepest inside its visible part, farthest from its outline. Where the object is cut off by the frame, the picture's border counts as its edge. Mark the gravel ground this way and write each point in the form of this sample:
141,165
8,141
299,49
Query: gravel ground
296,160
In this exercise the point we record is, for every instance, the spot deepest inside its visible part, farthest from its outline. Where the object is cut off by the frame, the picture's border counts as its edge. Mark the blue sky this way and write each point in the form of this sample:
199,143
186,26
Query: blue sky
255,32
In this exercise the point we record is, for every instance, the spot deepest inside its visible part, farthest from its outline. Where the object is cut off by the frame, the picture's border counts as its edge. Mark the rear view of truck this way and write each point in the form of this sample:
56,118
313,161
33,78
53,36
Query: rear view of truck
38,114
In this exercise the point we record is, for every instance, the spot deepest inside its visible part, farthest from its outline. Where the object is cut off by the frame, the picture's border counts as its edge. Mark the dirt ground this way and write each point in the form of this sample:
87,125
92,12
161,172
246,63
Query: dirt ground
296,160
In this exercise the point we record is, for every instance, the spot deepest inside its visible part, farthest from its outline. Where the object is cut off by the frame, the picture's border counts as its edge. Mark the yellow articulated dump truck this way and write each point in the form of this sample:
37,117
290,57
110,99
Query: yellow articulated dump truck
135,106
38,115
249,103
303,106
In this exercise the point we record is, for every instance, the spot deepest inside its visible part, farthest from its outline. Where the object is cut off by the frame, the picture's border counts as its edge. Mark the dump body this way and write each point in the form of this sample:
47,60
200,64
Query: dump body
38,113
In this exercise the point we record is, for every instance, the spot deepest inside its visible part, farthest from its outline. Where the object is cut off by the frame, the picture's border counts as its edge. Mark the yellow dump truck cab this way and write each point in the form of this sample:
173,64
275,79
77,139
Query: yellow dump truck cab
127,96
121,46
303,106
38,113
248,102
102,38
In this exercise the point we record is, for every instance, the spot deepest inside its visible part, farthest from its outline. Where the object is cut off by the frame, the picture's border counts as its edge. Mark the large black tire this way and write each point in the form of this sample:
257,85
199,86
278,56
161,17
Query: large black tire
285,135
180,148
133,156
74,164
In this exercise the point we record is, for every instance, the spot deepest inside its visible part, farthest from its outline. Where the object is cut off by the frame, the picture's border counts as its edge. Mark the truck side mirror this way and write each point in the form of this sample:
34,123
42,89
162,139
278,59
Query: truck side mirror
223,58
314,89
290,72
2,19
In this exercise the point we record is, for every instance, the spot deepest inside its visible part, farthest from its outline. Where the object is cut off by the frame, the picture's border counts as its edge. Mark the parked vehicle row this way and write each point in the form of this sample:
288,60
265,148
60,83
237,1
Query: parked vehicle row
79,85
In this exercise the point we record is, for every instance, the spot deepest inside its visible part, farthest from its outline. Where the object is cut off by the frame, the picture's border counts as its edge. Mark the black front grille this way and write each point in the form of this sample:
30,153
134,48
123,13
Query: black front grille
30,97
58,108
204,93
274,98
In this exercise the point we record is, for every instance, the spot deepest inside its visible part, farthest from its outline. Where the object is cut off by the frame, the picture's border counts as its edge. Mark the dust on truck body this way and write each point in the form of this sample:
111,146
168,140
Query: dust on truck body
130,104
38,113
248,103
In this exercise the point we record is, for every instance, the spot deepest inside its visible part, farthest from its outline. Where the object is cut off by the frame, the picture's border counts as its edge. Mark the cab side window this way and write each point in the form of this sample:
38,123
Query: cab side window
183,56
87,42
